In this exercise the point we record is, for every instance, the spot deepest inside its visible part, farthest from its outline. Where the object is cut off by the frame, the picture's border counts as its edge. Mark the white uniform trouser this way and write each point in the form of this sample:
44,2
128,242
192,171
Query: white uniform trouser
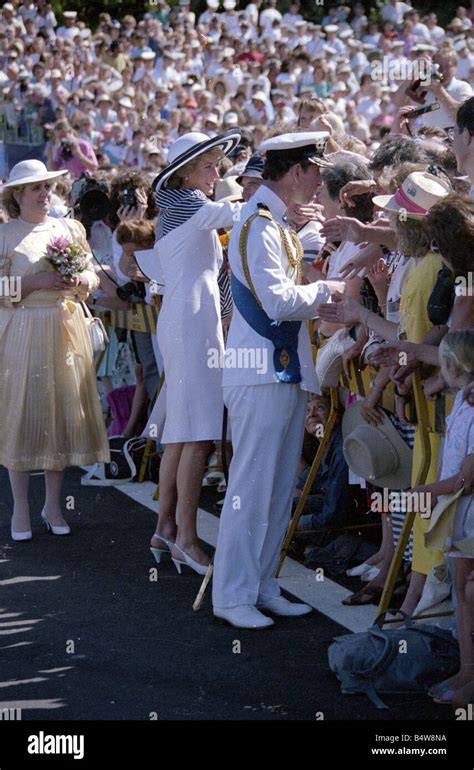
267,436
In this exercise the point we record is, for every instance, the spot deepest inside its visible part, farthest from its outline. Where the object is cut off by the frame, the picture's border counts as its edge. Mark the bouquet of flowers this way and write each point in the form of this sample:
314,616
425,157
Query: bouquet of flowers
65,257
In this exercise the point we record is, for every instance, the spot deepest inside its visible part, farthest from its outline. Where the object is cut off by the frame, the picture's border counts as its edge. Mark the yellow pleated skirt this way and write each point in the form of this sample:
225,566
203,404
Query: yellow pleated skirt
50,412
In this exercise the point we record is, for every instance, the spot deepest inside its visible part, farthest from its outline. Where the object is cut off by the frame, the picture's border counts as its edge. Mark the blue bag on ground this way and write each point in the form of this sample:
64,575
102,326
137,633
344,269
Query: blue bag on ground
407,659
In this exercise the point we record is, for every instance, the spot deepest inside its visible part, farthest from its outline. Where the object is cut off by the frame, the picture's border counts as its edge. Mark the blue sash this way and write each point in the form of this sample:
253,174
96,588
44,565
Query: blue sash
283,334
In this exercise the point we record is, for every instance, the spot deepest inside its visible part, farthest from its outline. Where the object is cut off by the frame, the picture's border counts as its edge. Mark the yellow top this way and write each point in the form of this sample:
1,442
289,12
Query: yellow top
416,291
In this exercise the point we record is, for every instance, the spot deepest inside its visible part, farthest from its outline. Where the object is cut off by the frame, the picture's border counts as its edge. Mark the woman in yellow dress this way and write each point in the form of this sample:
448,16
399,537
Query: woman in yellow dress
50,414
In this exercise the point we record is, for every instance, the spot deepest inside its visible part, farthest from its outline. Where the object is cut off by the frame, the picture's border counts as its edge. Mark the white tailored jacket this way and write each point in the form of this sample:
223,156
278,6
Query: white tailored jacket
249,356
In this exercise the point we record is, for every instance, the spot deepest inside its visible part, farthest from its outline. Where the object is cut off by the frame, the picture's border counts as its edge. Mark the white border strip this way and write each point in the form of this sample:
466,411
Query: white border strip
324,595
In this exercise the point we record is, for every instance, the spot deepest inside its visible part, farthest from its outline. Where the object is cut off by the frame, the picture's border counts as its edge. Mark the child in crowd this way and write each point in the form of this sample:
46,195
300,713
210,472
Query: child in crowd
457,367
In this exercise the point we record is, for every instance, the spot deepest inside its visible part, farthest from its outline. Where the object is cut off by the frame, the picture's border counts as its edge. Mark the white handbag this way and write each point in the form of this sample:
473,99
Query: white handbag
97,332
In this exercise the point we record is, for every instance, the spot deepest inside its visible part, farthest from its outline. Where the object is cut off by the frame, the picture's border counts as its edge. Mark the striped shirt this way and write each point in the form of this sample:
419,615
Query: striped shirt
407,432
176,207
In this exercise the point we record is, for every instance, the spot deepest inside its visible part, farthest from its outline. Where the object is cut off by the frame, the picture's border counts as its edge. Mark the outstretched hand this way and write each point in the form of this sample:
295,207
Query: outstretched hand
344,229
396,353
341,310
360,265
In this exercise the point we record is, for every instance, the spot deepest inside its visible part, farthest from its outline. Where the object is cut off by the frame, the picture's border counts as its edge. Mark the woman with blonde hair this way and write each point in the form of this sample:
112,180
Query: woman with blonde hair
51,415
189,333
456,356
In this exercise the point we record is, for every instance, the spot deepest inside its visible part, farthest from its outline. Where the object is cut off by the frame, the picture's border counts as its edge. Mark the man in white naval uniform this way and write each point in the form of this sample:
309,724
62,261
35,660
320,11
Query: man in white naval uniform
266,395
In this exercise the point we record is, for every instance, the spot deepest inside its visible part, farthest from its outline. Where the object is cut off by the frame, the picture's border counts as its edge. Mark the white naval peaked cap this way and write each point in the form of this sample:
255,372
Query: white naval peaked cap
314,141
229,5
213,4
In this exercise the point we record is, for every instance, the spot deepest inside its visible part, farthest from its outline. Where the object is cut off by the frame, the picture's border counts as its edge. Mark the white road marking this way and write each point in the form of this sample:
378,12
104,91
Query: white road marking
323,595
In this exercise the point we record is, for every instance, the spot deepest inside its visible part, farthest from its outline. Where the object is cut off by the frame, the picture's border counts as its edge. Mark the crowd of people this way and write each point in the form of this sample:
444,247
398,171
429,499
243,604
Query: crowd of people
121,94
247,171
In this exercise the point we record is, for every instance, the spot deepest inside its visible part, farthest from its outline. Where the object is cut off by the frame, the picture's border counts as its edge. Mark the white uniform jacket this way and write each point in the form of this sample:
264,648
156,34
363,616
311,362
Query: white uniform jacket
282,299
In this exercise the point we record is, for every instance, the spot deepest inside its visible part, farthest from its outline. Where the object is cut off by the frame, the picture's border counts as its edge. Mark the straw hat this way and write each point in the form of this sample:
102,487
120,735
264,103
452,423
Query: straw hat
227,189
416,196
29,171
190,146
330,356
377,454
439,536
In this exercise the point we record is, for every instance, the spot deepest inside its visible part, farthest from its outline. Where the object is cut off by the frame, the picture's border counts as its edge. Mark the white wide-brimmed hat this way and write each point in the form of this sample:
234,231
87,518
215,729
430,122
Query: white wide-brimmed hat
29,171
377,454
329,363
190,146
416,196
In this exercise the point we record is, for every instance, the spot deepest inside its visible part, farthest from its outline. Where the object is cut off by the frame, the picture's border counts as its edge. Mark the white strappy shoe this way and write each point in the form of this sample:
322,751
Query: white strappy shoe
201,569
63,530
159,552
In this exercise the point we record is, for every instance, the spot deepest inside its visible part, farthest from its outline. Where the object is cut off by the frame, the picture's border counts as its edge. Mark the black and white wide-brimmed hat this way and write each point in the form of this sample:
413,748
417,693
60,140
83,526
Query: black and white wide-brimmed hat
190,146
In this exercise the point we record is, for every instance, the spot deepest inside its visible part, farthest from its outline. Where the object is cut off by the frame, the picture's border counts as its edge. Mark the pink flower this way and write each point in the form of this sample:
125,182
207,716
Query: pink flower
60,243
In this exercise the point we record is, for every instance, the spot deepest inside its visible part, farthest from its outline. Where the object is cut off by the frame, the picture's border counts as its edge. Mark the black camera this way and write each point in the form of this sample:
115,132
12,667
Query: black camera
128,197
133,291
66,149
90,199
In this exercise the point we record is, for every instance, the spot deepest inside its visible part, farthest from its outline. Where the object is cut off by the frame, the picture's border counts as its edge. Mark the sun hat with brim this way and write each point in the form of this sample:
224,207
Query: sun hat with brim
227,189
190,146
148,261
416,196
439,536
28,172
377,454
329,361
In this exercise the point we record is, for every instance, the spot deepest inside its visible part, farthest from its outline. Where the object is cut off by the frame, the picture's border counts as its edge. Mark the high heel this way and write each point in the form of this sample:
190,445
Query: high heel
201,569
158,553
18,536
55,530
178,564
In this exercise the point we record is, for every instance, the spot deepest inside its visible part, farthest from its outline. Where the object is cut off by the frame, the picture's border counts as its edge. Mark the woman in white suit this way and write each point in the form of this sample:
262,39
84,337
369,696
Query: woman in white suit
189,333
